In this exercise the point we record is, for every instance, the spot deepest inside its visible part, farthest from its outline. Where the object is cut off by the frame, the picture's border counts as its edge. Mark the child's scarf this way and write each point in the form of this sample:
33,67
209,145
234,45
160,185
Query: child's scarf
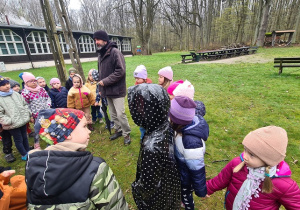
34,90
3,94
250,187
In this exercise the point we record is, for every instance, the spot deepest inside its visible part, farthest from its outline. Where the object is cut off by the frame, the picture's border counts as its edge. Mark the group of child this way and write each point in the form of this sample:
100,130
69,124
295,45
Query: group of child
19,106
258,179
170,165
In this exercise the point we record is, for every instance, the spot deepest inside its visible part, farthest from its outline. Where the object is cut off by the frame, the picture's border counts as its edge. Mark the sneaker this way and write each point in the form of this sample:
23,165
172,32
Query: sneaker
100,120
127,140
94,122
10,158
115,135
24,157
112,125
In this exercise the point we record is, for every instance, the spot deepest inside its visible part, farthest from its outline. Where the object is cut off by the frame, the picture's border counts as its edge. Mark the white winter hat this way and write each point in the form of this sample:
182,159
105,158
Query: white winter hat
185,89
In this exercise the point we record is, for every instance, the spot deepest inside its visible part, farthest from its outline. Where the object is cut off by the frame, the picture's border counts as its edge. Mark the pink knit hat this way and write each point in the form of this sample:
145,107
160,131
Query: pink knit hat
27,76
185,89
182,110
268,144
140,72
166,72
173,86
54,80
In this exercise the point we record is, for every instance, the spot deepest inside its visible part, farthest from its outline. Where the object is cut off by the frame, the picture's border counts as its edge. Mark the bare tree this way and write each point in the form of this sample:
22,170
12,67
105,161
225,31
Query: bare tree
144,12
263,23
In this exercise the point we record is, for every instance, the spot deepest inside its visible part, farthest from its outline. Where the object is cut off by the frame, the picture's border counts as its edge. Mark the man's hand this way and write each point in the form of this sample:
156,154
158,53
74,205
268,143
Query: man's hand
101,83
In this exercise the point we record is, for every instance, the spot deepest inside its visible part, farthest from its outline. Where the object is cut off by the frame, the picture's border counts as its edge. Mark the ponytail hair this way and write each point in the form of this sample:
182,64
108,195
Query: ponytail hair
267,185
239,167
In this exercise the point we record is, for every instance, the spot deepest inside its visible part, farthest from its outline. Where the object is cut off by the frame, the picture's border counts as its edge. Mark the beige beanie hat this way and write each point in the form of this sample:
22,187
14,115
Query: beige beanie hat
268,143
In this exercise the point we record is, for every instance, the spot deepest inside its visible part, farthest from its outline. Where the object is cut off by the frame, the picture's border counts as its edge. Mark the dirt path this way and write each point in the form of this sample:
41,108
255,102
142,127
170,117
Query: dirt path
255,58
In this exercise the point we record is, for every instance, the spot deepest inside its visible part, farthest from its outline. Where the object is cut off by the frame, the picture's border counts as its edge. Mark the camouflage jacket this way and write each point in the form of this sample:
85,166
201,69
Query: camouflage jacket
71,180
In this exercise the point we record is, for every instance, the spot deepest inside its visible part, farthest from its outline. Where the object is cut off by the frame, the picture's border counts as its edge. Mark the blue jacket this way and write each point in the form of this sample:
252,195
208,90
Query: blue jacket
189,153
58,97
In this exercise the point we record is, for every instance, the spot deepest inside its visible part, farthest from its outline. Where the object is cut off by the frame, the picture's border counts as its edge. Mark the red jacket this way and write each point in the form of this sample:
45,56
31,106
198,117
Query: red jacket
285,192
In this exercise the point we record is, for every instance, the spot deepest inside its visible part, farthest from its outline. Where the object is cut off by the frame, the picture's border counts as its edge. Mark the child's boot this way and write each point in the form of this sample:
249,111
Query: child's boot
9,158
25,157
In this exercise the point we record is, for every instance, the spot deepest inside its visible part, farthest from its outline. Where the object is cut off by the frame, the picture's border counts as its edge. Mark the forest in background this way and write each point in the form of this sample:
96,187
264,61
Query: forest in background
158,25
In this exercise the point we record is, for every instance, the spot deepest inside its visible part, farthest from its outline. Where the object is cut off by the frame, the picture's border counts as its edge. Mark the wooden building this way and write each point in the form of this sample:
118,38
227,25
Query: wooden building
20,44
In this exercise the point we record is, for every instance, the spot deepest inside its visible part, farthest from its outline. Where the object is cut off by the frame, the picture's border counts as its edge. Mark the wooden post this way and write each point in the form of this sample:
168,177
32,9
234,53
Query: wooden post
54,42
65,24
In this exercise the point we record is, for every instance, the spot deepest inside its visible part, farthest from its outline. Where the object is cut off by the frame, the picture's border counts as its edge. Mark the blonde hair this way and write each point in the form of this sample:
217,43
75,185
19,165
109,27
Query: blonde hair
267,184
166,83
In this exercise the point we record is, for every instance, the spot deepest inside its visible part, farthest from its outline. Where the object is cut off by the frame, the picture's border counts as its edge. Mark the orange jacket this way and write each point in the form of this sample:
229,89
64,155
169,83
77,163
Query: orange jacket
14,196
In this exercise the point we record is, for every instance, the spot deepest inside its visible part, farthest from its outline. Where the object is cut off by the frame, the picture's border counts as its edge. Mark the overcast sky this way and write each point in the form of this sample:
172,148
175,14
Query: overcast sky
74,4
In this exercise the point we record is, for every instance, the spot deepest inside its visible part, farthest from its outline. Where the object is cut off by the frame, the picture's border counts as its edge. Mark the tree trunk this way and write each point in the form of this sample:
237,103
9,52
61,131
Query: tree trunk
263,24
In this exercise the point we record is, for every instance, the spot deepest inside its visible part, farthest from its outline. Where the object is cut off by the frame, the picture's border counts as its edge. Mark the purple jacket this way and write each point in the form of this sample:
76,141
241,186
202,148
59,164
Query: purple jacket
285,192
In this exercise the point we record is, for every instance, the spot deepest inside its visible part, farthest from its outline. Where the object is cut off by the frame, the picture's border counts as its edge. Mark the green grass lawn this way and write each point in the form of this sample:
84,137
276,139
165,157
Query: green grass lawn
238,98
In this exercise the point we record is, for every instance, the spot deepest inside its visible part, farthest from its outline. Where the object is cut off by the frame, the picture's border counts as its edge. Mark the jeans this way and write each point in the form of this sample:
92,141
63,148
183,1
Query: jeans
7,142
20,138
96,113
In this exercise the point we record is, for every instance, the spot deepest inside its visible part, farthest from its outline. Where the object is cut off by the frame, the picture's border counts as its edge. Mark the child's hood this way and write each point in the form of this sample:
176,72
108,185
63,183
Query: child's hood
48,172
283,169
198,128
149,105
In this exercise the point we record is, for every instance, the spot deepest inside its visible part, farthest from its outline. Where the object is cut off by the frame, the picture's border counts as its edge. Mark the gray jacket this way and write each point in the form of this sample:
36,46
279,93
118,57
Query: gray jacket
14,111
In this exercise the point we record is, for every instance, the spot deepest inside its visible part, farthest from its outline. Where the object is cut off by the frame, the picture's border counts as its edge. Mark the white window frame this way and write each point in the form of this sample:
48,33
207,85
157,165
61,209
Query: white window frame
126,46
13,42
63,44
35,43
86,44
115,39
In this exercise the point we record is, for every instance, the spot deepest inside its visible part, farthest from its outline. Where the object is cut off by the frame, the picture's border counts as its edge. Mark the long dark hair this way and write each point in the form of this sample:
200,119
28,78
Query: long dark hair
176,127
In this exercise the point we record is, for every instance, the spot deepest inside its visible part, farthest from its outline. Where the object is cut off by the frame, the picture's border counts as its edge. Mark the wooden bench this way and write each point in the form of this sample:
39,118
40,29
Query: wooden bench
286,62
252,50
184,59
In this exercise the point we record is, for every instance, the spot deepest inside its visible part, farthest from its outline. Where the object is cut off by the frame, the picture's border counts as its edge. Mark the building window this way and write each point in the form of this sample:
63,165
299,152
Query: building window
11,43
115,39
63,45
38,43
86,44
126,46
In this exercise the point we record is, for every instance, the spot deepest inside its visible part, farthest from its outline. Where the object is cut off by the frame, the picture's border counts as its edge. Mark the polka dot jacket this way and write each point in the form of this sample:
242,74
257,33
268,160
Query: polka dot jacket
157,184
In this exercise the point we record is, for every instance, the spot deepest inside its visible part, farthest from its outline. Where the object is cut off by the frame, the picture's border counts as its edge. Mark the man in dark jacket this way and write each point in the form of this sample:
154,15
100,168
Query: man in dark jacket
112,85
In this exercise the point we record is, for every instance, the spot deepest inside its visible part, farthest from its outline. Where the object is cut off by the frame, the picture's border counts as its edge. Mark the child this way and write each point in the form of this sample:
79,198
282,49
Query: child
259,178
92,85
14,114
190,133
36,97
7,145
14,85
172,87
58,94
42,83
64,175
14,196
100,100
157,184
140,75
165,77
185,89
69,82
80,97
